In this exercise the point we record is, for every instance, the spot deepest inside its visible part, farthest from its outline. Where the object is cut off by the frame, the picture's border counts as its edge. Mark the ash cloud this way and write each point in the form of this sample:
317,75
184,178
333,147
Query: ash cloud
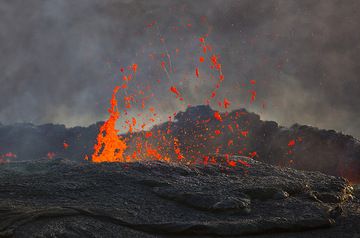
58,59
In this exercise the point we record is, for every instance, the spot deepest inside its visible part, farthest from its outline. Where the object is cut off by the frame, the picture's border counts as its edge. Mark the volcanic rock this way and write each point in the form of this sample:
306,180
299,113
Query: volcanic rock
62,198
326,151
312,149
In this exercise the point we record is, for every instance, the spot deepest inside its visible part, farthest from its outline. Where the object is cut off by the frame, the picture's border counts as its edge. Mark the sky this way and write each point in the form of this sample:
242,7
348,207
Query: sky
59,60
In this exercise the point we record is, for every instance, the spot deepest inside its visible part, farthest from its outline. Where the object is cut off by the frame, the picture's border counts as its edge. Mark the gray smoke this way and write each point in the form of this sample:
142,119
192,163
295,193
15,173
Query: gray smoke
59,60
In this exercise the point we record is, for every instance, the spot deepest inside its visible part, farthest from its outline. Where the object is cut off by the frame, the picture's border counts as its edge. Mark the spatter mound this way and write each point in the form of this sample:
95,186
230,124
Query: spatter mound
154,199
192,134
199,134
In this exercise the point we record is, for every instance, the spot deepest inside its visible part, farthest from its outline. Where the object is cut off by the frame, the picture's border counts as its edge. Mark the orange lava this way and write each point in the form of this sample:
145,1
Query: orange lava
66,145
137,113
110,147
4,158
217,116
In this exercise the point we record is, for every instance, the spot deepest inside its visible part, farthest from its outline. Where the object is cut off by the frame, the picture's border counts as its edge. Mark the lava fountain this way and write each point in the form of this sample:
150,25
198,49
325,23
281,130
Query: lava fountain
110,147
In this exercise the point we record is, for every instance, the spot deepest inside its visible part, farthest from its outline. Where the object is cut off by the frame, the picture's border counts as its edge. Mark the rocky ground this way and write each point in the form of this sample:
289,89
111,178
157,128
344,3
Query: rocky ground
61,198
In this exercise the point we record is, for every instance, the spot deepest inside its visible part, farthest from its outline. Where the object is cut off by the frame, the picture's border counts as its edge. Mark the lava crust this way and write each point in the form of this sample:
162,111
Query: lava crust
61,198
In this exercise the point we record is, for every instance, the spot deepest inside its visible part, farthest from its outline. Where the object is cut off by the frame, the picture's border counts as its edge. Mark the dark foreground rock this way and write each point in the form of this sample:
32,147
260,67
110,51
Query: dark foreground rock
152,199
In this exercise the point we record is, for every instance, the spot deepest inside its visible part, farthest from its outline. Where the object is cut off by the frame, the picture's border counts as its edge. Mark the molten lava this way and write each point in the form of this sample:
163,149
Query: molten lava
109,147
4,158
162,144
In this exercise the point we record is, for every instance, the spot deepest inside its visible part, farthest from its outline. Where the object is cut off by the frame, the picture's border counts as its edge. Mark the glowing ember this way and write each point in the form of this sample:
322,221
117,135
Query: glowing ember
50,155
177,149
217,116
174,90
4,158
197,72
253,96
226,103
291,143
66,145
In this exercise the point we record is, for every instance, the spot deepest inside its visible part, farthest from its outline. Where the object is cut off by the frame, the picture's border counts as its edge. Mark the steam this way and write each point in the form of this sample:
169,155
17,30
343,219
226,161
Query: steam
60,59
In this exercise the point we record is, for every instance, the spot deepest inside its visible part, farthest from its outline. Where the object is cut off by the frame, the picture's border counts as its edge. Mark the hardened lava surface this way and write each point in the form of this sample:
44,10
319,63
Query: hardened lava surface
60,198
